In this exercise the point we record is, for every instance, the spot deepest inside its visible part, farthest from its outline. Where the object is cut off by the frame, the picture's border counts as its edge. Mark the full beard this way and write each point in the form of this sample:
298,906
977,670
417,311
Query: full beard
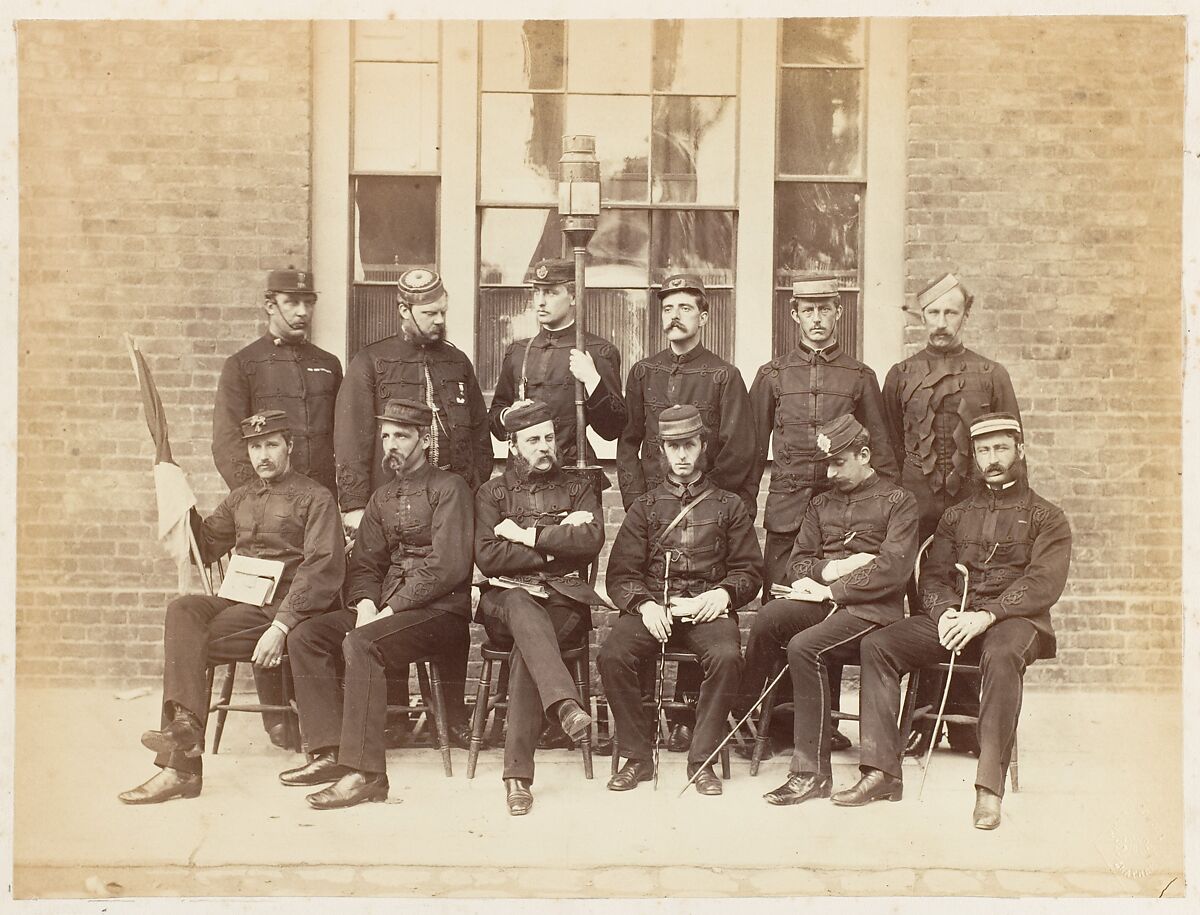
524,470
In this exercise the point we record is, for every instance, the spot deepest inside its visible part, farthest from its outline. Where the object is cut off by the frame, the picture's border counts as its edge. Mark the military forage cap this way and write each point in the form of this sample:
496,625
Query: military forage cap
836,435
555,271
681,282
815,287
995,422
526,415
407,412
290,280
937,289
679,422
264,423
419,286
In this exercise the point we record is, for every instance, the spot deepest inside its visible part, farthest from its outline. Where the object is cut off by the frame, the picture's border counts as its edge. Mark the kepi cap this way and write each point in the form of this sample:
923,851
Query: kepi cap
290,280
937,289
406,412
553,271
824,286
837,435
264,423
419,286
682,282
526,415
679,422
995,422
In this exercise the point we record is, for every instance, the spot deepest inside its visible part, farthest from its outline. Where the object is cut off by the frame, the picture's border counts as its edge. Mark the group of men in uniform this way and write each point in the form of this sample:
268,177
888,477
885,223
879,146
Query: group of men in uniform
402,447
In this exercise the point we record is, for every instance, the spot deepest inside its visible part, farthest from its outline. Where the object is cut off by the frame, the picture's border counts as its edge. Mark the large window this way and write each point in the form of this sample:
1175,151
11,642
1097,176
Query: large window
394,167
661,99
820,170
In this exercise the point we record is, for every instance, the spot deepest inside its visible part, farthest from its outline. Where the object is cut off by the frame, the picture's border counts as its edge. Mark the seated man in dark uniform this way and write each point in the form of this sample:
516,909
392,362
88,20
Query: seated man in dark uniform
409,587
685,558
281,516
536,529
852,559
1016,548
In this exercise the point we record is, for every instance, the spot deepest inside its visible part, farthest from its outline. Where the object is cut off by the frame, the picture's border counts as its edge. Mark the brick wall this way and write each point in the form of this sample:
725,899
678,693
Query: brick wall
163,168
1045,169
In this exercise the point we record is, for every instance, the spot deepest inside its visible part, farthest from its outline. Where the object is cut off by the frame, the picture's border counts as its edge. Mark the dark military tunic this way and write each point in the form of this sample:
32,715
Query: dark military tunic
930,401
541,366
395,367
299,379
703,379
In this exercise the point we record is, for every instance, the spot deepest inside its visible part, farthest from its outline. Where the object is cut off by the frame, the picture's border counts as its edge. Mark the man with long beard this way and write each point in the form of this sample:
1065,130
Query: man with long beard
537,529
408,590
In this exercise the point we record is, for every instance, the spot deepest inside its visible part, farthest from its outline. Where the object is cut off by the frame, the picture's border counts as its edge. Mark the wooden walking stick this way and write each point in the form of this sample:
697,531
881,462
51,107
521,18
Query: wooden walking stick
937,724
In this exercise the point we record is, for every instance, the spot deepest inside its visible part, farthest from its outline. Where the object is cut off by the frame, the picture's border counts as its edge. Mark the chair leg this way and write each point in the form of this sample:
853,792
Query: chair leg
291,717
209,674
909,706
429,675
581,684
226,698
725,762
764,728
501,706
1012,766
479,718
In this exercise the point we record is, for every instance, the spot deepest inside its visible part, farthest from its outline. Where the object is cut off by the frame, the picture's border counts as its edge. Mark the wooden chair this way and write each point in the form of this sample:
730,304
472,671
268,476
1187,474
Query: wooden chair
432,706
225,704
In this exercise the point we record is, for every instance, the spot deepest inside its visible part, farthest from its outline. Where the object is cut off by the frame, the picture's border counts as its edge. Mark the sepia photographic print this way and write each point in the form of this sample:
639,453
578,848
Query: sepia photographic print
684,456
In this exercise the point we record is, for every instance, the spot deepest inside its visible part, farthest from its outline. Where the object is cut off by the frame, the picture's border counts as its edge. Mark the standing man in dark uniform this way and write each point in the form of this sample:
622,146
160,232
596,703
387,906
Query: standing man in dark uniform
409,587
540,527
687,373
852,561
282,516
930,401
280,370
419,364
1016,547
546,366
685,559
793,395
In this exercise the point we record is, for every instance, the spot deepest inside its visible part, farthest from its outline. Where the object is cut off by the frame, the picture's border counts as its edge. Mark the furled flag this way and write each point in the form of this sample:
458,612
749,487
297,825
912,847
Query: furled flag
171,488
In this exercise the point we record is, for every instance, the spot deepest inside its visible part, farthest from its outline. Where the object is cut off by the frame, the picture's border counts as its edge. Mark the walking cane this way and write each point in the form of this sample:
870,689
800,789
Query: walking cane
662,667
937,724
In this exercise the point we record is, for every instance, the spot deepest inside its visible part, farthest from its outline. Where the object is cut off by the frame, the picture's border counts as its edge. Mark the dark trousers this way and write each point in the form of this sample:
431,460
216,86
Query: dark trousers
777,549
629,643
537,676
268,683
353,719
813,639
1002,652
200,629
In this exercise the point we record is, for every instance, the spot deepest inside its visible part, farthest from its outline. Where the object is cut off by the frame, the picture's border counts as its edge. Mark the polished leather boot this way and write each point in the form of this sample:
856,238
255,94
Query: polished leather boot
573,719
680,740
800,788
634,772
520,798
163,786
351,789
322,769
460,735
278,735
838,741
987,809
706,782
183,734
874,785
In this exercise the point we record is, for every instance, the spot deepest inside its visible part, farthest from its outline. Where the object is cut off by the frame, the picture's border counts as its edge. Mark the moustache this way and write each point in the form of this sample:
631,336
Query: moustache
675,325
994,468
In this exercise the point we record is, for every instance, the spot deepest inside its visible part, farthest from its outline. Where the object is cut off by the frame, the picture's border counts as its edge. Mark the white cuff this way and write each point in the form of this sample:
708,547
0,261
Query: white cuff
282,627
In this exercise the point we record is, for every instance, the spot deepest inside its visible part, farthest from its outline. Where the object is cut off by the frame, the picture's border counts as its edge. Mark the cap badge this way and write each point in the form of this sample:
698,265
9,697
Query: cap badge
301,280
418,278
678,281
257,421
541,272
823,442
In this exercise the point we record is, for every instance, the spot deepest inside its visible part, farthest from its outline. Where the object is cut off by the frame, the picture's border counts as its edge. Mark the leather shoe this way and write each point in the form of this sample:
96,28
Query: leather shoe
183,735
680,740
800,788
351,789
320,770
874,785
460,735
279,735
838,741
746,750
574,720
163,786
520,798
553,738
633,772
987,809
706,782
602,746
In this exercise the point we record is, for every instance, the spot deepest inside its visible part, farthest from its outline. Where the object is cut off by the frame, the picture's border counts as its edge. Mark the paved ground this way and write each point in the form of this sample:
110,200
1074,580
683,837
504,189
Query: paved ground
1100,813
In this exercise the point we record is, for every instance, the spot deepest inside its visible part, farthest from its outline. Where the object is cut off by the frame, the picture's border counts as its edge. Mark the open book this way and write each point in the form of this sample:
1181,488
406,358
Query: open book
251,581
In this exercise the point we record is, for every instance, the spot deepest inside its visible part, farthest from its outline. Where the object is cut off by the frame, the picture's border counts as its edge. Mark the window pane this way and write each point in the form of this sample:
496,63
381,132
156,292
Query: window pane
608,55
504,316
621,317
395,117
621,126
511,241
820,122
816,231
620,250
523,55
412,40
693,154
822,41
786,334
693,242
395,226
372,316
696,56
520,145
